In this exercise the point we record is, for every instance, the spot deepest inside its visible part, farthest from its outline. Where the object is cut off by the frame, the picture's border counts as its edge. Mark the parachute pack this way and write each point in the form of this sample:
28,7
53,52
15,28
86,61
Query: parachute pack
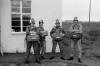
33,36
58,35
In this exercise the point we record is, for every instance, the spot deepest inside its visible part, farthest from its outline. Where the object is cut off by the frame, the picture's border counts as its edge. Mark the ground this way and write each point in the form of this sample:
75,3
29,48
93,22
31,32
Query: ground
18,58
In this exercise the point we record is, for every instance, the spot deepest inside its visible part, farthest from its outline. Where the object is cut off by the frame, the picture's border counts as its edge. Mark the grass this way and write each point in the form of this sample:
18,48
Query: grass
91,41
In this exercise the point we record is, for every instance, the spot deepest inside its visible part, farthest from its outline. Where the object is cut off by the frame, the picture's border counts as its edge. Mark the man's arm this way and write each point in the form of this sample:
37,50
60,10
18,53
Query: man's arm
27,32
63,31
38,30
52,31
70,28
81,29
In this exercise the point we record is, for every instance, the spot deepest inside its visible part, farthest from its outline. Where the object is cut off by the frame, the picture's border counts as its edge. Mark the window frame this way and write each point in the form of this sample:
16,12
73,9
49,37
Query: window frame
21,17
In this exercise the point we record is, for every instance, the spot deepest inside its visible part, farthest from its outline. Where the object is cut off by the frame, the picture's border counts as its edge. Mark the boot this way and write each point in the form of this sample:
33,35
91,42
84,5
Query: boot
26,61
51,58
38,61
71,58
42,57
79,60
62,58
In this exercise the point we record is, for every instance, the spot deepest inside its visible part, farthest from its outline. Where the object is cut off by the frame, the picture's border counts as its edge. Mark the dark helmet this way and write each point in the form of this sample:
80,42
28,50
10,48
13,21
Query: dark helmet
57,21
75,19
41,21
32,21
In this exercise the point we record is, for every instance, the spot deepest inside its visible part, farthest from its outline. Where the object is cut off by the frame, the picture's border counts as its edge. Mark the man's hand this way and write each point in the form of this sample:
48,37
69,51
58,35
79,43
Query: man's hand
63,34
52,36
44,33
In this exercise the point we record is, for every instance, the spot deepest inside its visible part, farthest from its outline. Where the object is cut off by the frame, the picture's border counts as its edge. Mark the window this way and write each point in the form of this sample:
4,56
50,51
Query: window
21,15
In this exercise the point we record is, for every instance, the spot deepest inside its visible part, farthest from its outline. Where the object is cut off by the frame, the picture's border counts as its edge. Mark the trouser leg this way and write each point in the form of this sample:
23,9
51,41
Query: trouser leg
61,47
29,44
43,47
72,48
77,44
79,49
36,47
54,46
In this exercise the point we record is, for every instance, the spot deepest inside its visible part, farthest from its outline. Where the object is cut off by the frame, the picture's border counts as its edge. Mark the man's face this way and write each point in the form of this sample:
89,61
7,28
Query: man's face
57,24
75,22
41,24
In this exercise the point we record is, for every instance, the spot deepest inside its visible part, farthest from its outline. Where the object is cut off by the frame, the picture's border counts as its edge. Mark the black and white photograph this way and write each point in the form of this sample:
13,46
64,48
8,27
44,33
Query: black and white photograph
49,33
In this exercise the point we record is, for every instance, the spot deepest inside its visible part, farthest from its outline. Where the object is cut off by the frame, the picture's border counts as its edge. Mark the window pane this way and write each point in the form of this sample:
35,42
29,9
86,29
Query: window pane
15,3
26,23
26,17
16,29
26,3
17,10
16,23
24,29
16,17
26,10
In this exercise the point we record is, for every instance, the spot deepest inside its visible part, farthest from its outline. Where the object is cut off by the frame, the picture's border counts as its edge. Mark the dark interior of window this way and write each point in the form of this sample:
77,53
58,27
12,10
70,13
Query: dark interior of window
20,20
26,10
16,29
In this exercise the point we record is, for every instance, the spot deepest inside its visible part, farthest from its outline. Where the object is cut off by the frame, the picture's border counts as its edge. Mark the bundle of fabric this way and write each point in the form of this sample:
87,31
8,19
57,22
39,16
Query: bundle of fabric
33,36
58,36
44,33
75,36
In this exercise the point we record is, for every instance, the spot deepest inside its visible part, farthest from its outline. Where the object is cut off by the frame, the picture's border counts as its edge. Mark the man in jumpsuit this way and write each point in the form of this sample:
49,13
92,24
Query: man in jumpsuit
57,33
42,39
32,39
76,28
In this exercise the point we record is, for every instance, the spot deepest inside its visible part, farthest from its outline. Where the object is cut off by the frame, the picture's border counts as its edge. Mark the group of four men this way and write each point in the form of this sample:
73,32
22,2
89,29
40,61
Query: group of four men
35,36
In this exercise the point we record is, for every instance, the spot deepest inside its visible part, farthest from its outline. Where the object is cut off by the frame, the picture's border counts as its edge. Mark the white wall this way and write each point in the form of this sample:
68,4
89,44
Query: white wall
48,10
10,42
0,22
0,10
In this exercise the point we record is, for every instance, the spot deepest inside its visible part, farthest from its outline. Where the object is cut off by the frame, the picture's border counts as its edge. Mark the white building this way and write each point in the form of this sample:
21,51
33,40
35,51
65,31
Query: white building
15,15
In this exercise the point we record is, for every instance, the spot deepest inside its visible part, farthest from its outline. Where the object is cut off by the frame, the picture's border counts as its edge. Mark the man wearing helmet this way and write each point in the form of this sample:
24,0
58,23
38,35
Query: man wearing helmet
32,39
43,35
76,35
57,33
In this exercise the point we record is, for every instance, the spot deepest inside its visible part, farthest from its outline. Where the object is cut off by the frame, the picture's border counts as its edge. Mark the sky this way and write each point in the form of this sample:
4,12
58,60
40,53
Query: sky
80,9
